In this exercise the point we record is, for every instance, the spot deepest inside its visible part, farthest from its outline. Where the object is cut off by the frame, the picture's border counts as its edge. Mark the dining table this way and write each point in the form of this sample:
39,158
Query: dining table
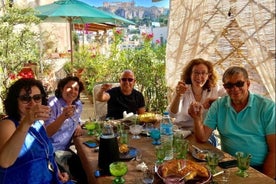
89,160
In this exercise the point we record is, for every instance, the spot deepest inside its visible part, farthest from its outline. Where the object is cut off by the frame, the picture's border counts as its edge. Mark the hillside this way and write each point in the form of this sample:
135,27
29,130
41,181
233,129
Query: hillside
138,14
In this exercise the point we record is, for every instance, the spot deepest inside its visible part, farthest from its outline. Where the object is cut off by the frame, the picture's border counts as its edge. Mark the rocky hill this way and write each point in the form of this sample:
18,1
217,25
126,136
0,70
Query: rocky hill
130,11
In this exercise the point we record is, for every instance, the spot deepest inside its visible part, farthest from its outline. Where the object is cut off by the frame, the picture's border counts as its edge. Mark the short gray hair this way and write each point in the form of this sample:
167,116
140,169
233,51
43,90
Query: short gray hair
234,70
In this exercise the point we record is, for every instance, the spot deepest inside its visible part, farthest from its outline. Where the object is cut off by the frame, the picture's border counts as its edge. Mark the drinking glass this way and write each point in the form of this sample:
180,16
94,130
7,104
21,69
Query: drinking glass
155,135
90,126
181,148
243,163
212,161
118,169
98,128
160,154
136,130
123,137
148,177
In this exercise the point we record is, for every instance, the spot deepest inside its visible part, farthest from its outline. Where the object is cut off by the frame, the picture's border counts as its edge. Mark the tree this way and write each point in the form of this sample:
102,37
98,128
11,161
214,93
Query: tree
19,43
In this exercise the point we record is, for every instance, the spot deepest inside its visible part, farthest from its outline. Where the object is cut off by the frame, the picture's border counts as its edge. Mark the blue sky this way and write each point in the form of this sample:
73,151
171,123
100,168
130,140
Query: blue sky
145,3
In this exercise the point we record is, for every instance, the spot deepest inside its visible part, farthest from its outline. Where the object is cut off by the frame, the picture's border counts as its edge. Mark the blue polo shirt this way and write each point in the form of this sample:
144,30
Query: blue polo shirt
246,130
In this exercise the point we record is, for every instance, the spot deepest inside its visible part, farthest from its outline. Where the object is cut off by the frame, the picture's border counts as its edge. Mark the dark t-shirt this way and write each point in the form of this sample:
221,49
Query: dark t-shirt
118,103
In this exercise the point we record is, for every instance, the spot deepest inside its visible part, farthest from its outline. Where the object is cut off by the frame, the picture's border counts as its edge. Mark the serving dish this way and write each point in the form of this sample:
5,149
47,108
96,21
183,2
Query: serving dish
178,168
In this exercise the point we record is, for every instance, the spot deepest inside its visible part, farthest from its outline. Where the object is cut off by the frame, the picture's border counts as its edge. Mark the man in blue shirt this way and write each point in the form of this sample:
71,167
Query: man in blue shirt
245,121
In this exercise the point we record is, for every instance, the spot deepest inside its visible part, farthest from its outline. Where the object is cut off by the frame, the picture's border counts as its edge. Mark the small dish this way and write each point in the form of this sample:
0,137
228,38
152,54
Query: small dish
201,155
129,155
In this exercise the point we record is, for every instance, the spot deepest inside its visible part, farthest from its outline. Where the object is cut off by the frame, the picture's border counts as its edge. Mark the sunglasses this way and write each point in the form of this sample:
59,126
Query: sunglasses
127,79
230,85
25,99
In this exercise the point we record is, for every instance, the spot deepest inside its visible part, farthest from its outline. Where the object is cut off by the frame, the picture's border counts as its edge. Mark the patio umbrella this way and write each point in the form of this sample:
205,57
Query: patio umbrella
74,11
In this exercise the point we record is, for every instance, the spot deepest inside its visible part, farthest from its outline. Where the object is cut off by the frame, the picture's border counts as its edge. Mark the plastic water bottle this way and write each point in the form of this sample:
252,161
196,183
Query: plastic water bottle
166,130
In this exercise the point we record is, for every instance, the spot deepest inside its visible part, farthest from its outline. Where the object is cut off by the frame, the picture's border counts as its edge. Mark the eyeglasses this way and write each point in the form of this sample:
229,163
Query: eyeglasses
230,85
200,73
127,79
25,99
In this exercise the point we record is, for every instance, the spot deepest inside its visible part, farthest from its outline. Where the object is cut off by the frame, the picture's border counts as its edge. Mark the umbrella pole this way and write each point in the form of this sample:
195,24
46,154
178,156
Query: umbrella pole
71,40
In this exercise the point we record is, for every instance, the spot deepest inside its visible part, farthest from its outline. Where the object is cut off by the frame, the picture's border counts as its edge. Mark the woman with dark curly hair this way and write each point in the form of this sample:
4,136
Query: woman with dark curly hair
26,153
198,85
64,123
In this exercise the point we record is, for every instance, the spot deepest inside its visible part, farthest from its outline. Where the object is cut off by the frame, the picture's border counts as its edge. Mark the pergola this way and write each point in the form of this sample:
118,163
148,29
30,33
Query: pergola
93,27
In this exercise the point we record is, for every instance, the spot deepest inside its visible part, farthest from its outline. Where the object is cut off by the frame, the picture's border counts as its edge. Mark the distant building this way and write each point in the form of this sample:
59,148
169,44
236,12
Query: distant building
119,4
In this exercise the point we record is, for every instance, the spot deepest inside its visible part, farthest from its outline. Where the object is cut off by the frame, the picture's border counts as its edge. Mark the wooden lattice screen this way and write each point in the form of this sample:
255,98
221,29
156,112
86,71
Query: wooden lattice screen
226,32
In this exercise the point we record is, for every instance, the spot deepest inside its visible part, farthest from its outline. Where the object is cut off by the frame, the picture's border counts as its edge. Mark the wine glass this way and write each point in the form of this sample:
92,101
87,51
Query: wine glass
136,130
155,135
212,161
90,126
118,169
243,163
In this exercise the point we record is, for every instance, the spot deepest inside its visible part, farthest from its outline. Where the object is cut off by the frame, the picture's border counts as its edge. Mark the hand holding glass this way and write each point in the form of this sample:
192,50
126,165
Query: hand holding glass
243,163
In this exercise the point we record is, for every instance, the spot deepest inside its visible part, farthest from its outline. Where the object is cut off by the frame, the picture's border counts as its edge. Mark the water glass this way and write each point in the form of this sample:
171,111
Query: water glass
212,161
243,163
148,177
139,155
155,135
135,130
181,148
123,137
160,154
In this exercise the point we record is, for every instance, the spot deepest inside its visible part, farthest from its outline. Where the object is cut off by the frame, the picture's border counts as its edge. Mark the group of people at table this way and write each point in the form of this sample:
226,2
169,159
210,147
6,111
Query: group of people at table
37,129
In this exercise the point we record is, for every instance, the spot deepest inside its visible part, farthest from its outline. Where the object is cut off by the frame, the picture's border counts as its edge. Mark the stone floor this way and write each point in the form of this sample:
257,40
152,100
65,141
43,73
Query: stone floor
88,108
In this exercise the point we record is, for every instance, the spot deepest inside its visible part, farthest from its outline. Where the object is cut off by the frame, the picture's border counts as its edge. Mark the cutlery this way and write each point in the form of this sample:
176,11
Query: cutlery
197,149
218,173
180,179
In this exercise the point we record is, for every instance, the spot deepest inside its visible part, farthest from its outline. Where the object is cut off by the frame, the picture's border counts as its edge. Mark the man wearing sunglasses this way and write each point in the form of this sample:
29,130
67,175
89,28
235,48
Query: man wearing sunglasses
122,98
245,121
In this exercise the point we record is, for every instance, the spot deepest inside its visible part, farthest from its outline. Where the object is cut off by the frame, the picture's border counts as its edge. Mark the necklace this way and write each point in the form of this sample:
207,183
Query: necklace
45,146
197,96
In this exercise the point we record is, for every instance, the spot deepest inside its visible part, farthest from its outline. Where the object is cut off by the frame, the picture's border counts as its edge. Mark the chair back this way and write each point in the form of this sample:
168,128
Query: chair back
100,108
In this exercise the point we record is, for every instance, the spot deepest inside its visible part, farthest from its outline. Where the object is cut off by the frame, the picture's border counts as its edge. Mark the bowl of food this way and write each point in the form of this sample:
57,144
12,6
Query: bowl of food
173,170
147,117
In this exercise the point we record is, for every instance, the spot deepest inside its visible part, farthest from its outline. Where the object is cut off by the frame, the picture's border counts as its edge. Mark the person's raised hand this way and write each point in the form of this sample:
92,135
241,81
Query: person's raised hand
68,111
195,110
106,87
181,88
36,112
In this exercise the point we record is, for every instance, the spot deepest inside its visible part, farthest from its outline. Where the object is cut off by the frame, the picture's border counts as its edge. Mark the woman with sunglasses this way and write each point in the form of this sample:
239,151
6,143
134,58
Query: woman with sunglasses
244,120
26,153
123,98
198,85
64,123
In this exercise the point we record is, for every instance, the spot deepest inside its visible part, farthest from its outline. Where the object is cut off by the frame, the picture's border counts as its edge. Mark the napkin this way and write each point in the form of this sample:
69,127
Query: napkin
129,116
